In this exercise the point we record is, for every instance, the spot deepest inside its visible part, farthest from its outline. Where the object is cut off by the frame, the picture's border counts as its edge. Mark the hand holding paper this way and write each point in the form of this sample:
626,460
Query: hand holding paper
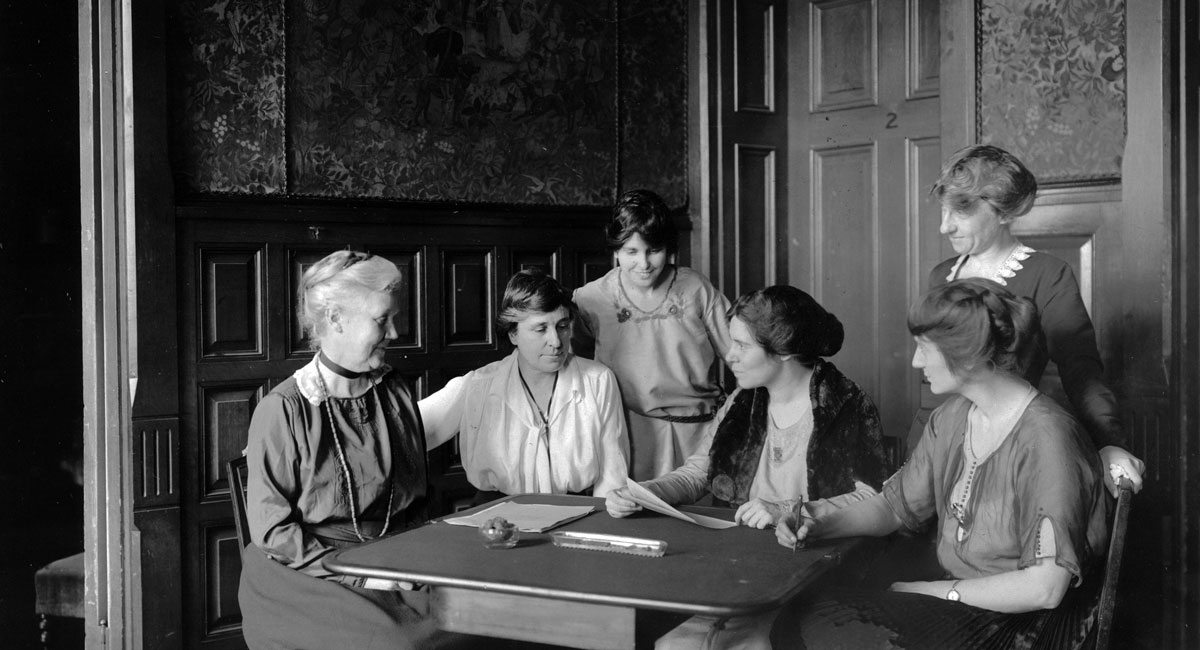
650,501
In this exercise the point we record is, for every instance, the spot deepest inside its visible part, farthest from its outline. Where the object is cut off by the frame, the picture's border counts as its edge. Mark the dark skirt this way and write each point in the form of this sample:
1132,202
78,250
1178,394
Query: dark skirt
864,619
284,609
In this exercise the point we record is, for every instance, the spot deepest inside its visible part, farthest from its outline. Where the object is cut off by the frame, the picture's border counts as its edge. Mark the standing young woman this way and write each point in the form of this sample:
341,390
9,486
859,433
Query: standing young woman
661,328
1013,481
983,189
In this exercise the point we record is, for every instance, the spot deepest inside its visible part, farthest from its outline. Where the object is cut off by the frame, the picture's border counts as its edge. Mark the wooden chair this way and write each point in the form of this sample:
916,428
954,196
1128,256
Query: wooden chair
235,471
1112,567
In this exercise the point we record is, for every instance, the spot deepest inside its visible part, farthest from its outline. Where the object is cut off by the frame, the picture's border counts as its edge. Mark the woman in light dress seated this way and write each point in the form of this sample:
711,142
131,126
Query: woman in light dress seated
1013,481
796,430
541,420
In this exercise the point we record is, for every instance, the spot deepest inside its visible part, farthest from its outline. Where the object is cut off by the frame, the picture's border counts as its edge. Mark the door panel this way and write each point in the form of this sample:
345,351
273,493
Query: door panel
864,150
751,238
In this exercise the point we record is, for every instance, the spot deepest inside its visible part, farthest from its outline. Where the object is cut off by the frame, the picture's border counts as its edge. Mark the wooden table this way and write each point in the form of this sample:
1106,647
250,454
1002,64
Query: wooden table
589,599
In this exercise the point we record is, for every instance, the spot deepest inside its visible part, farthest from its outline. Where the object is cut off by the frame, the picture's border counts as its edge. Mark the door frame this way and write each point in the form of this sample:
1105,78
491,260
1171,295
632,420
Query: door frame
109,296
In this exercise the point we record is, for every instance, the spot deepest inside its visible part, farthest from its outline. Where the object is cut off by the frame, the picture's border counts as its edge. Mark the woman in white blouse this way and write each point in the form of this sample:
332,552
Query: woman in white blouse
540,420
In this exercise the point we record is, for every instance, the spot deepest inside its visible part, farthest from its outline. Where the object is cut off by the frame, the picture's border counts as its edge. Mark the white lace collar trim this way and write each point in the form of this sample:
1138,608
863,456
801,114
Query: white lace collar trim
1007,269
308,380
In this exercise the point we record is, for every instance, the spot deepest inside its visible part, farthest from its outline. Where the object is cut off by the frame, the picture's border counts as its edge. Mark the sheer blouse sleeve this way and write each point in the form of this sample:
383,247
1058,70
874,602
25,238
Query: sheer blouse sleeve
1054,479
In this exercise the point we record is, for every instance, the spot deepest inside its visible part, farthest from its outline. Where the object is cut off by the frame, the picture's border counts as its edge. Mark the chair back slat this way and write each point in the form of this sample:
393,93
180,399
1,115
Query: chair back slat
235,471
1112,567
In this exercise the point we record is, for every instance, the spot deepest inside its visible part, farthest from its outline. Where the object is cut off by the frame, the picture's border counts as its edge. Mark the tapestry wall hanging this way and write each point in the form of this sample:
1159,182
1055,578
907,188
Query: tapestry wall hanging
481,101
1051,85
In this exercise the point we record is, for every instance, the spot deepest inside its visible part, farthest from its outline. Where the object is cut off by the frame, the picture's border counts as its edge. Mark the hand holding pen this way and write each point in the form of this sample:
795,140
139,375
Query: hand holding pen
794,528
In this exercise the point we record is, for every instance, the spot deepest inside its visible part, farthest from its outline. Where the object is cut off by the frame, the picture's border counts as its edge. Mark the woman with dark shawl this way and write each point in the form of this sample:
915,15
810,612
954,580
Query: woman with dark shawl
797,430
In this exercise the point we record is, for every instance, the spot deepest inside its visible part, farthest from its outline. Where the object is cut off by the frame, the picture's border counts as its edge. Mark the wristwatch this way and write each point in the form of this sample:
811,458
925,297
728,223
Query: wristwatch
953,594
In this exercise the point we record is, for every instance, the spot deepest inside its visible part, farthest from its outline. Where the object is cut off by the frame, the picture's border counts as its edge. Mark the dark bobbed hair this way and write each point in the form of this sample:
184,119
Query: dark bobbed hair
644,213
976,322
531,290
982,172
336,280
786,320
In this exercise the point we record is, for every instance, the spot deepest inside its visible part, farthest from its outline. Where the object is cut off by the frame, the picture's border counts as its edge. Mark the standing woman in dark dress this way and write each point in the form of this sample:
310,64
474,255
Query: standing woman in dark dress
336,457
983,189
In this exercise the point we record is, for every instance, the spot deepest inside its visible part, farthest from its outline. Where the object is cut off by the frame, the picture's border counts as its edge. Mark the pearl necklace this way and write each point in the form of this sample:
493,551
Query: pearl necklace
341,455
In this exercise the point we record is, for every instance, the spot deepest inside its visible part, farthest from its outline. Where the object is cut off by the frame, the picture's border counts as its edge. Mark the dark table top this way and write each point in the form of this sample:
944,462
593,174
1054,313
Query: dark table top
731,572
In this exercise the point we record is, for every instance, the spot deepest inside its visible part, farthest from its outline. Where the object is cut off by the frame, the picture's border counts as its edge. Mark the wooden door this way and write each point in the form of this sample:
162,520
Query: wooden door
751,42
864,149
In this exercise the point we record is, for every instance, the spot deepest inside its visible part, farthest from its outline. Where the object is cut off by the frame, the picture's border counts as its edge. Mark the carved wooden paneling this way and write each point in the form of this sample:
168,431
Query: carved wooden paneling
232,284
299,262
224,425
754,52
410,320
467,297
924,212
754,224
844,209
155,475
222,571
924,57
844,54
545,259
593,266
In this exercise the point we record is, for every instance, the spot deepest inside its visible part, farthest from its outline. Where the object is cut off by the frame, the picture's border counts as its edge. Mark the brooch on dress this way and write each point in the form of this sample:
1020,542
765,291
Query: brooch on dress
623,315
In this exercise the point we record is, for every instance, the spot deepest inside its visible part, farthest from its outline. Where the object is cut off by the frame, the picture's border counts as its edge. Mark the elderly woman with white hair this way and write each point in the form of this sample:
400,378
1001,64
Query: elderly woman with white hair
336,457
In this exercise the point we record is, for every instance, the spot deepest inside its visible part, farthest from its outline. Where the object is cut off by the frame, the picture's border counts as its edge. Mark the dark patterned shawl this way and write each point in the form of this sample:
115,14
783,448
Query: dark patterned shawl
846,443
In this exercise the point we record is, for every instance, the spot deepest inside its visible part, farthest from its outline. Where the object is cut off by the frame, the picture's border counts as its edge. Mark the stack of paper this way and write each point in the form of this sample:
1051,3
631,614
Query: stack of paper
528,517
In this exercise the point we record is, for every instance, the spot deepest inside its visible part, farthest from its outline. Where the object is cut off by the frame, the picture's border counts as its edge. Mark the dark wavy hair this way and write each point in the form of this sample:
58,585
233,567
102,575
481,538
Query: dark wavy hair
531,290
644,213
786,320
976,322
982,172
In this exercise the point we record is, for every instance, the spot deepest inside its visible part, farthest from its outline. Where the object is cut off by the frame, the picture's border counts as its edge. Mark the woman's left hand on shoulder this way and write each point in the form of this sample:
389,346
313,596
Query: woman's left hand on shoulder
757,513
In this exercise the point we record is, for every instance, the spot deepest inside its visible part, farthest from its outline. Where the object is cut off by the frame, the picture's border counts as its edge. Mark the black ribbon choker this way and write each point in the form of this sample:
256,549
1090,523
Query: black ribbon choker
339,370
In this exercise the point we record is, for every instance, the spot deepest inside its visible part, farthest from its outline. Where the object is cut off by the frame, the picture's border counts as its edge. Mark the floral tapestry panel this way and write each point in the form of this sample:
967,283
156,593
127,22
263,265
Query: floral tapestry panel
1052,85
226,78
493,101
654,98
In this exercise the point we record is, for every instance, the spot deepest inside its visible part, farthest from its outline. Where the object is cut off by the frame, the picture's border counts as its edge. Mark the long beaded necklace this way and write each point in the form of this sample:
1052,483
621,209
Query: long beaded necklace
341,455
545,431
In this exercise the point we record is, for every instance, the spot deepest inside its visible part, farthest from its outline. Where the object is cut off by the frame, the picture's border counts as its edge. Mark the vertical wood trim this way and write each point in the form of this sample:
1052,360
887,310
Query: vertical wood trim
109,312
957,89
1186,325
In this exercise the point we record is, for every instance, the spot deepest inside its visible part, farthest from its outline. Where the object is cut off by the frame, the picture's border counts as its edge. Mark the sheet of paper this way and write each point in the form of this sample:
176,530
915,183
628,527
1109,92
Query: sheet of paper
650,501
529,517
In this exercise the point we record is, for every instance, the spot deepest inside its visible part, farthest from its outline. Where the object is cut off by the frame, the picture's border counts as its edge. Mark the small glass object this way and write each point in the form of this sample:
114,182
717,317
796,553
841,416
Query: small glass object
499,532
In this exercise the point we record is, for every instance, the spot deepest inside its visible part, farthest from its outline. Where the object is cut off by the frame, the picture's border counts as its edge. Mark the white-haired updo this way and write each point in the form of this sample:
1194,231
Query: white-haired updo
336,281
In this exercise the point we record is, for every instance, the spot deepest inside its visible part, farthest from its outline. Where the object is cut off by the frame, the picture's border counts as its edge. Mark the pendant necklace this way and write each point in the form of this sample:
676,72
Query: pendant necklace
545,430
341,455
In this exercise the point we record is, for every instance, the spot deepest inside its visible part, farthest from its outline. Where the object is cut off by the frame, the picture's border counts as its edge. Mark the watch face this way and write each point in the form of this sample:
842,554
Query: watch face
952,595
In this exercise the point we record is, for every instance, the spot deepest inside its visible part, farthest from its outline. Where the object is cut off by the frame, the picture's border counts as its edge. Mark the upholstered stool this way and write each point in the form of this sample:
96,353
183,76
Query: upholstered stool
59,587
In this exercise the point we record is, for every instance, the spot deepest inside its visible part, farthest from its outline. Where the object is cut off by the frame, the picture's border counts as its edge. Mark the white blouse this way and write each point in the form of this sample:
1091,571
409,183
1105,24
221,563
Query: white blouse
500,435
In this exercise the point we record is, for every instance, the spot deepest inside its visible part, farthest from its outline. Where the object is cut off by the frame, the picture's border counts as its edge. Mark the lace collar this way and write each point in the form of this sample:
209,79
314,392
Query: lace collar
1007,269
309,381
